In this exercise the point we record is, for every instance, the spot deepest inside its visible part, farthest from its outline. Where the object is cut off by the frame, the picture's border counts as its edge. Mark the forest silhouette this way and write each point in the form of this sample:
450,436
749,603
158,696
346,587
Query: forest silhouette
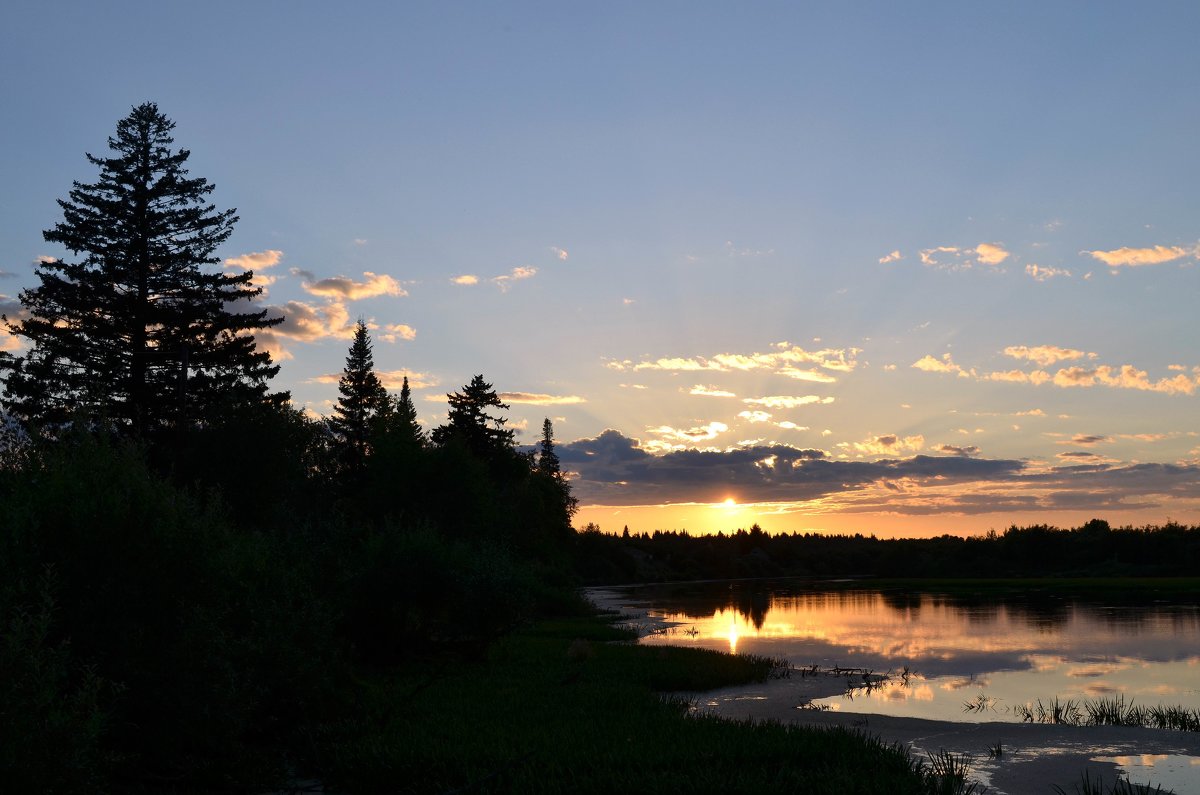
204,588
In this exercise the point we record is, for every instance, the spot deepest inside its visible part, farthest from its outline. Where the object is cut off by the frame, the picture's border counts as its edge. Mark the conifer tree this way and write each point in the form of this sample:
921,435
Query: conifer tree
136,332
548,463
362,400
469,421
402,421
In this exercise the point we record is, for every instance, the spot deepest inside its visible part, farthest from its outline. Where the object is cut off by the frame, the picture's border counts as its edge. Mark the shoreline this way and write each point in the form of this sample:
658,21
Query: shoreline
1035,758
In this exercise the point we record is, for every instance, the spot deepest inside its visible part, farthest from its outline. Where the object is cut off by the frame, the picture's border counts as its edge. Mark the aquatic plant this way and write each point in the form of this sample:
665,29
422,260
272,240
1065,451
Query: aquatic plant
1089,786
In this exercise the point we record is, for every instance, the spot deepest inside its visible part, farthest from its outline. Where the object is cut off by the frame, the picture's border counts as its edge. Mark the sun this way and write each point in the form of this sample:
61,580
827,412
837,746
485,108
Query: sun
730,502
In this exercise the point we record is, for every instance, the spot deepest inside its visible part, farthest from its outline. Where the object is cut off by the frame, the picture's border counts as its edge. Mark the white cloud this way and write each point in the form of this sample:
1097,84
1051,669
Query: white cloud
786,401
783,360
709,391
928,255
466,278
561,253
1045,274
755,416
516,274
889,444
701,433
892,257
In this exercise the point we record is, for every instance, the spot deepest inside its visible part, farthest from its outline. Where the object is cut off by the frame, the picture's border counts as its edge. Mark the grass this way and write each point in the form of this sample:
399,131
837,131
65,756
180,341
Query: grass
1112,711
1089,786
556,708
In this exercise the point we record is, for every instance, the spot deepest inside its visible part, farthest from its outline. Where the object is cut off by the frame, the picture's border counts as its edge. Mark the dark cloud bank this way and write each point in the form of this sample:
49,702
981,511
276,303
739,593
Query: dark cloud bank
612,469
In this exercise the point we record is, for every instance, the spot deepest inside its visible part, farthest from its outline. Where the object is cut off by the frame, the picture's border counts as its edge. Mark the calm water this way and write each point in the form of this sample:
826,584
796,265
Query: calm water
1007,651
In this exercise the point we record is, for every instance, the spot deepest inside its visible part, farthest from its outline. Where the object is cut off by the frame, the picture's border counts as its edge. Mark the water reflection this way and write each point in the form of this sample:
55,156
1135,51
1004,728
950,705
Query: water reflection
1011,650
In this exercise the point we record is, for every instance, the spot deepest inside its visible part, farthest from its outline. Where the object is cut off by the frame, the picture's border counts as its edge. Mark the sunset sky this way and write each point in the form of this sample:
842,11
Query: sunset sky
877,267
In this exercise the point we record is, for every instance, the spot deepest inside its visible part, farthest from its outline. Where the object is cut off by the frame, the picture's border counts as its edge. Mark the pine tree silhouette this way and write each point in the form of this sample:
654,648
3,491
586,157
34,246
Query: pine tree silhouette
136,332
362,400
469,422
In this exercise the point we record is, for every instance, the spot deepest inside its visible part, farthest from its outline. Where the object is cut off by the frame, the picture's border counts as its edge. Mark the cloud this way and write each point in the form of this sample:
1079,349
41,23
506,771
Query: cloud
344,288
1086,440
702,433
304,322
1045,274
960,258
928,255
360,241
516,274
942,365
613,469
1019,376
892,257
561,253
755,416
956,450
397,331
709,391
1124,377
783,361
991,253
44,259
889,444
536,399
466,278
786,401
1134,257
255,260
1046,355
6,274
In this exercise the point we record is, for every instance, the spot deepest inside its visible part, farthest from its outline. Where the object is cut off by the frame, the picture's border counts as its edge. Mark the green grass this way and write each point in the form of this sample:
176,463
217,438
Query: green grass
556,708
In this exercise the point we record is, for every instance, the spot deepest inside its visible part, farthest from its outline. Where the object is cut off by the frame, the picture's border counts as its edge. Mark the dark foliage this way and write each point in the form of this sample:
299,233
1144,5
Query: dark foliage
362,400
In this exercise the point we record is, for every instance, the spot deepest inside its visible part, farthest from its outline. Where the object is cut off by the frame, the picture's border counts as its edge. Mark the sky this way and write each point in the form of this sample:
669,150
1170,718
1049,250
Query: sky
903,269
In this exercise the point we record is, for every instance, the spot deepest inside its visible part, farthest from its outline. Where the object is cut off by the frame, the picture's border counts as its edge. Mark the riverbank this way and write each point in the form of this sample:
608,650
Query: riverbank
1034,757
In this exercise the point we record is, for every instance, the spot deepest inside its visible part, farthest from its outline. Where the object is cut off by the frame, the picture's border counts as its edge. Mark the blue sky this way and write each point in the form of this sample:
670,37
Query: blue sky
650,195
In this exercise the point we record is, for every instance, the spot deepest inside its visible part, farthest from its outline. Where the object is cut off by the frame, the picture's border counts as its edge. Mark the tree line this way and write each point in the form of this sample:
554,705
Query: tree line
194,574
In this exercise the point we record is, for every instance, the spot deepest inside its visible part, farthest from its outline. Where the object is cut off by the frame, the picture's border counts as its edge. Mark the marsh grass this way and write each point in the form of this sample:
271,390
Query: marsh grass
1110,711
536,717
1089,786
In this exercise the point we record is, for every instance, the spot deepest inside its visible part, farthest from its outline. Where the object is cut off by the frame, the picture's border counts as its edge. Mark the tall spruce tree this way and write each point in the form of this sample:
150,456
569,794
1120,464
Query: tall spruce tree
401,422
469,422
362,401
136,332
548,463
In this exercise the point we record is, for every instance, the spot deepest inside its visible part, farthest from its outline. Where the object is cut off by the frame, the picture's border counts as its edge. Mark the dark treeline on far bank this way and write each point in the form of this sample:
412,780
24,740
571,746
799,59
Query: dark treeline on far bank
1092,550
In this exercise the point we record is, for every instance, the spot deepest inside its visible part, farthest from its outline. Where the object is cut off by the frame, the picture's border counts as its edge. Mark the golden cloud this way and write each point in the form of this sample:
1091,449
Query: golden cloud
536,399
786,401
516,274
783,360
702,433
466,278
944,365
709,391
755,416
888,444
255,260
391,379
1134,257
398,331
342,287
1046,355
892,257
991,253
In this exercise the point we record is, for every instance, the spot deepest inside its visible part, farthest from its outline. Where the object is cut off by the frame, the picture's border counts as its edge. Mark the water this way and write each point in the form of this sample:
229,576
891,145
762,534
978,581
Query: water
996,653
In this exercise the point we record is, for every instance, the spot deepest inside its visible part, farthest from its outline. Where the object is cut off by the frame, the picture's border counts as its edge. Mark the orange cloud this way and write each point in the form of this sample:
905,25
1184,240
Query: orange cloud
537,399
516,274
786,401
398,331
466,278
255,260
783,360
943,365
1134,257
709,391
892,257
